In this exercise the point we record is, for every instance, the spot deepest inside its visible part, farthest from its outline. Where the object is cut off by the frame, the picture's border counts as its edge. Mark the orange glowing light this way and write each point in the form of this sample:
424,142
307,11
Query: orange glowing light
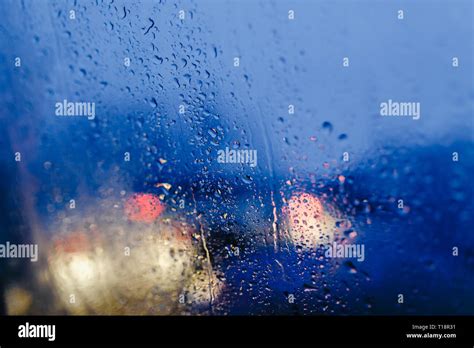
143,207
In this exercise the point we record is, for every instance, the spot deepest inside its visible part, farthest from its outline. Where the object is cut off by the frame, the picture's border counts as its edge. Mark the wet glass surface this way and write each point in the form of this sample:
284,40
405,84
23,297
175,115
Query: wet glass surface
226,153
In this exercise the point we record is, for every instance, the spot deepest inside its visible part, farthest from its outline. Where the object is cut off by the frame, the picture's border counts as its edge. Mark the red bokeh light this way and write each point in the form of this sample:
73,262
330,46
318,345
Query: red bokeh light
143,207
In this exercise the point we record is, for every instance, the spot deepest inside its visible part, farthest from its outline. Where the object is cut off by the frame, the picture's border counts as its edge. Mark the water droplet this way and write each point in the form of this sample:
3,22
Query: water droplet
351,267
153,102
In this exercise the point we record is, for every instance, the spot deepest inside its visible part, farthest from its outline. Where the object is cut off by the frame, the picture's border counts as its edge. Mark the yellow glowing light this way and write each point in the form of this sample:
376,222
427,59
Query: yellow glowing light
310,224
